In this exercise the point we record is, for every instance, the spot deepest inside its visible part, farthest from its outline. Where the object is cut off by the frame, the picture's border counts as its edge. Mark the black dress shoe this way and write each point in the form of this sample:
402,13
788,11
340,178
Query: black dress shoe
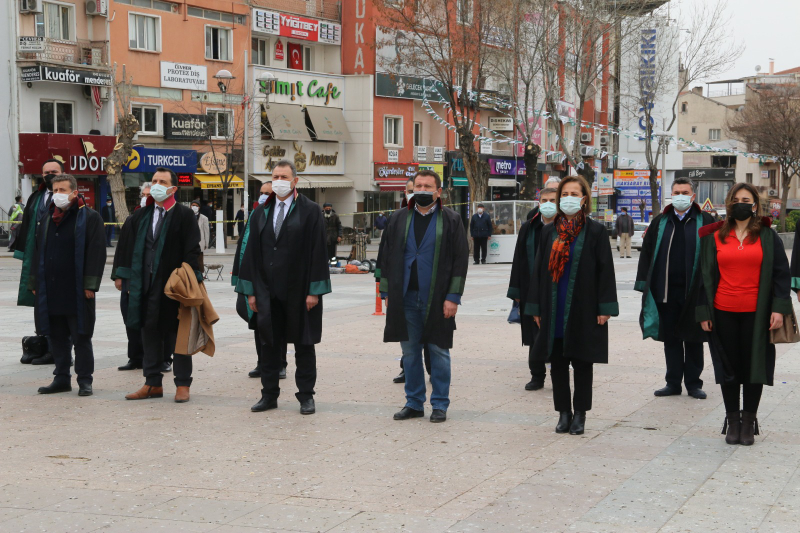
400,378
578,423
698,394
265,404
438,415
534,384
130,365
84,389
166,368
255,373
483,262
282,373
476,263
46,359
406,412
564,420
307,407
668,391
55,387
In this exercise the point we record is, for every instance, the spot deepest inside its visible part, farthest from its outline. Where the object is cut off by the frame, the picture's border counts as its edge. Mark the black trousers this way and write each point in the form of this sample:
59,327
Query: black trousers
538,368
135,350
735,331
272,356
684,359
426,356
156,345
258,349
559,375
63,336
479,248
332,249
109,234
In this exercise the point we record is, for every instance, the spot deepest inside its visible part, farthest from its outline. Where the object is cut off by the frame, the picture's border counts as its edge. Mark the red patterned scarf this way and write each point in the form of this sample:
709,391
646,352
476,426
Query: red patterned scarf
567,231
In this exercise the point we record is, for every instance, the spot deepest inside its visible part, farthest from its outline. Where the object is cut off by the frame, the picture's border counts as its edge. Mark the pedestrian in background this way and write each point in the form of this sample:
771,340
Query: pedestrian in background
572,296
333,230
205,231
667,270
480,229
745,293
109,218
625,230
239,218
380,223
15,216
521,274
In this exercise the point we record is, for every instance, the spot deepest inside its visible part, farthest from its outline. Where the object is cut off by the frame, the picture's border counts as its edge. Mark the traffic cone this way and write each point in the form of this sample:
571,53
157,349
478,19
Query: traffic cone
378,301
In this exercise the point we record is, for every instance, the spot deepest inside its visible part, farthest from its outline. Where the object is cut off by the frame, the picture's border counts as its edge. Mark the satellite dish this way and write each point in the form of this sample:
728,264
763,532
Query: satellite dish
758,68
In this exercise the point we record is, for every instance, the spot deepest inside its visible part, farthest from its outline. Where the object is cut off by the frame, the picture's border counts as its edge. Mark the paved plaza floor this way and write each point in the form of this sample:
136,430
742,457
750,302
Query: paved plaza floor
645,464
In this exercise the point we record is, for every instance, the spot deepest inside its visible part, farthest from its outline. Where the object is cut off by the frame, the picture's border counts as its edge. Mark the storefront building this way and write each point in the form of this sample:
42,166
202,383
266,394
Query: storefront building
710,183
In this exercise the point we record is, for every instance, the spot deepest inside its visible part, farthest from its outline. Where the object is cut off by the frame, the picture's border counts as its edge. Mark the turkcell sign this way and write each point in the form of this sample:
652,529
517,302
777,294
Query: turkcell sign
149,159
647,77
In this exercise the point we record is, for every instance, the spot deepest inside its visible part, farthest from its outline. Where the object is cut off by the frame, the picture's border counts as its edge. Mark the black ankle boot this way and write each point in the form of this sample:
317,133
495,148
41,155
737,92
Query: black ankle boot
749,429
564,420
578,423
733,424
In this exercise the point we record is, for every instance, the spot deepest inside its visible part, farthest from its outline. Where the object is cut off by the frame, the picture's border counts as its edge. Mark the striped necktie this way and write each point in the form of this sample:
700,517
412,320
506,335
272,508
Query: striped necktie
279,221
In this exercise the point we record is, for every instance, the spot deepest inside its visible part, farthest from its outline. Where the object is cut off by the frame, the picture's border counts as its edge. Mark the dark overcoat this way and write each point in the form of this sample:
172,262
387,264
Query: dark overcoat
178,243
304,267
774,296
26,240
90,260
591,292
519,285
649,320
450,263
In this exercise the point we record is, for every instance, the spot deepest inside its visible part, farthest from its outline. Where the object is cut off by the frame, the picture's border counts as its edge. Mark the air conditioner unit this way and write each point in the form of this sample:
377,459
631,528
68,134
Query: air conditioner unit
586,137
773,192
97,7
105,93
554,157
604,140
587,151
30,6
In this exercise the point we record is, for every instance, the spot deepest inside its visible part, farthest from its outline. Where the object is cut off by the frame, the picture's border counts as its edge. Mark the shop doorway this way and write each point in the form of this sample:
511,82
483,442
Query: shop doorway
374,202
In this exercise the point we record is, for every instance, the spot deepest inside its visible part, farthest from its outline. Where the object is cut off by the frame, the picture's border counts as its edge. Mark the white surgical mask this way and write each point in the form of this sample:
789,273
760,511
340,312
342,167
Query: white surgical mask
409,196
144,201
480,210
61,199
196,209
282,187
548,209
262,199
682,202
570,205
159,192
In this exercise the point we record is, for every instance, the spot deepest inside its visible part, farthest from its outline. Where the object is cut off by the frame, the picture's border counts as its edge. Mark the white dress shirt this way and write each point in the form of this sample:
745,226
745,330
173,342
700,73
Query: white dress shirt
287,205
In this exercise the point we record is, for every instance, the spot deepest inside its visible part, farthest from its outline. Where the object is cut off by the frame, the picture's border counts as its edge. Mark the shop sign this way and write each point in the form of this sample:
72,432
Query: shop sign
457,166
80,154
296,27
185,127
279,55
634,188
501,123
185,180
184,76
214,163
793,203
86,188
393,155
438,153
410,87
308,157
149,159
605,184
292,87
66,75
30,44
439,169
396,171
707,174
486,146
507,167
422,152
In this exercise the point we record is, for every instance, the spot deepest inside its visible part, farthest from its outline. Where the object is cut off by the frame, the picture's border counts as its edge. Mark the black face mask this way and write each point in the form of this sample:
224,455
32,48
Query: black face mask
742,211
423,199
48,181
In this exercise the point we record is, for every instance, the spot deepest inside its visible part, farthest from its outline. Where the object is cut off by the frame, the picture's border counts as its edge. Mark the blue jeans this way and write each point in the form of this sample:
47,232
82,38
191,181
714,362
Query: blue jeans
414,309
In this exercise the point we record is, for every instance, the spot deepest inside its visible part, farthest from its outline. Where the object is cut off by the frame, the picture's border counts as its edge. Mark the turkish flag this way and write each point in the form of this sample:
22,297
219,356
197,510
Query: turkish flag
295,56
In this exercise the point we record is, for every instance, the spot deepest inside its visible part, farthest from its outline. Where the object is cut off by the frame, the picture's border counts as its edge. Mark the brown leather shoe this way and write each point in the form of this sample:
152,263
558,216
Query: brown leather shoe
182,395
145,393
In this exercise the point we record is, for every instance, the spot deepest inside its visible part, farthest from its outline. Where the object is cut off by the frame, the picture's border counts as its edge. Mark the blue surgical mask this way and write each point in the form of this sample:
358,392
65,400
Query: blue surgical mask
570,205
263,199
682,202
548,209
159,192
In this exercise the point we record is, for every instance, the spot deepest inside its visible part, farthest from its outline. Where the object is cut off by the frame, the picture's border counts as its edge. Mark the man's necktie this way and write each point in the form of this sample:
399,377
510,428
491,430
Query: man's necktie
279,222
159,222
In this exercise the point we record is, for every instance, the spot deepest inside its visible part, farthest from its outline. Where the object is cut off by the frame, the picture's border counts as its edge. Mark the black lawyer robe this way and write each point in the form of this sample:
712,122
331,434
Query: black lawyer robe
451,260
298,256
530,234
178,243
26,239
591,292
90,260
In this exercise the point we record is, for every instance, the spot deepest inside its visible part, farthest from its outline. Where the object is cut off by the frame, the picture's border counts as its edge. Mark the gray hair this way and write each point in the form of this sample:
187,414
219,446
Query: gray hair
73,183
683,181
287,163
146,185
553,180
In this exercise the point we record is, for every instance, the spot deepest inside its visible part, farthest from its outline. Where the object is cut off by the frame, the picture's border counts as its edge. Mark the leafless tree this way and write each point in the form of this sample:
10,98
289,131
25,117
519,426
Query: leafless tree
770,124
128,127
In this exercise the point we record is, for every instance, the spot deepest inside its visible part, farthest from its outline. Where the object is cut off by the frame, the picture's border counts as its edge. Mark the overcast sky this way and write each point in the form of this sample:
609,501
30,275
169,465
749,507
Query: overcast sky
768,28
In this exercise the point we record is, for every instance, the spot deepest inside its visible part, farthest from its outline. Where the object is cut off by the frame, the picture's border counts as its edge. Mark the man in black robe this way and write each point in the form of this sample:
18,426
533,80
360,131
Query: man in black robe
284,273
68,263
423,271
163,235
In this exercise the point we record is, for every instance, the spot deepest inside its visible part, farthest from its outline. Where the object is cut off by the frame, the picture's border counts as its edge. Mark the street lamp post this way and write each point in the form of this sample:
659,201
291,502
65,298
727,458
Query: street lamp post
263,77
223,78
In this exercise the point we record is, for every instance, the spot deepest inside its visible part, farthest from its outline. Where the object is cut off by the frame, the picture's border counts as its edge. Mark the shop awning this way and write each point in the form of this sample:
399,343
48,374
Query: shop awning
287,122
261,177
214,181
459,181
392,184
502,182
323,182
329,124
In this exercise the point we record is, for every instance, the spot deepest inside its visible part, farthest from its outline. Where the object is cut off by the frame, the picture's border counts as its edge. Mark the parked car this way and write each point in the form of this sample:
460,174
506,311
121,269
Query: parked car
639,229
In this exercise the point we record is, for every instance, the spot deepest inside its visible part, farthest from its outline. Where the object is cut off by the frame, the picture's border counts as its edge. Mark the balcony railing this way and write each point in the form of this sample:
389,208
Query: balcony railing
81,52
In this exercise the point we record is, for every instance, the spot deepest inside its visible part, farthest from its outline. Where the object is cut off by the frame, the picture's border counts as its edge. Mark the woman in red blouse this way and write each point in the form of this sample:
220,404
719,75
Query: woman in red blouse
743,293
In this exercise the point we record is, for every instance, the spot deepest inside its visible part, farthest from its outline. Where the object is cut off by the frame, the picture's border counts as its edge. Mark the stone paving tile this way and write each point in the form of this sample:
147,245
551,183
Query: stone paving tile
46,521
128,524
294,517
384,523
708,513
7,513
185,508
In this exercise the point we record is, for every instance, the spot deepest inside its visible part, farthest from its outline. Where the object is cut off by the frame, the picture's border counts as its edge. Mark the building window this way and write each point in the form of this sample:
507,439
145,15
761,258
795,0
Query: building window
714,134
144,32
152,4
464,11
147,117
418,134
218,43
393,131
684,107
749,178
259,53
216,15
55,117
307,55
56,22
219,123
694,130
773,179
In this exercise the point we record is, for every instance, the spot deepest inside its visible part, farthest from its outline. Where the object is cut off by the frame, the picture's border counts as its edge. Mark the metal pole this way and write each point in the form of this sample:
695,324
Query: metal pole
663,170
245,151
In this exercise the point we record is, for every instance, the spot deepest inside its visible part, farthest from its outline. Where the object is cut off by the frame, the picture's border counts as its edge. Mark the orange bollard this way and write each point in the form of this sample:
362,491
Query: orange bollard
378,301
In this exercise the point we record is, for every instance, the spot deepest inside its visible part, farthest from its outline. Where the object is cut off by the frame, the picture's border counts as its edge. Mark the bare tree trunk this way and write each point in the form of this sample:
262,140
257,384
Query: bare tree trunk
118,159
477,185
532,180
786,183
654,190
